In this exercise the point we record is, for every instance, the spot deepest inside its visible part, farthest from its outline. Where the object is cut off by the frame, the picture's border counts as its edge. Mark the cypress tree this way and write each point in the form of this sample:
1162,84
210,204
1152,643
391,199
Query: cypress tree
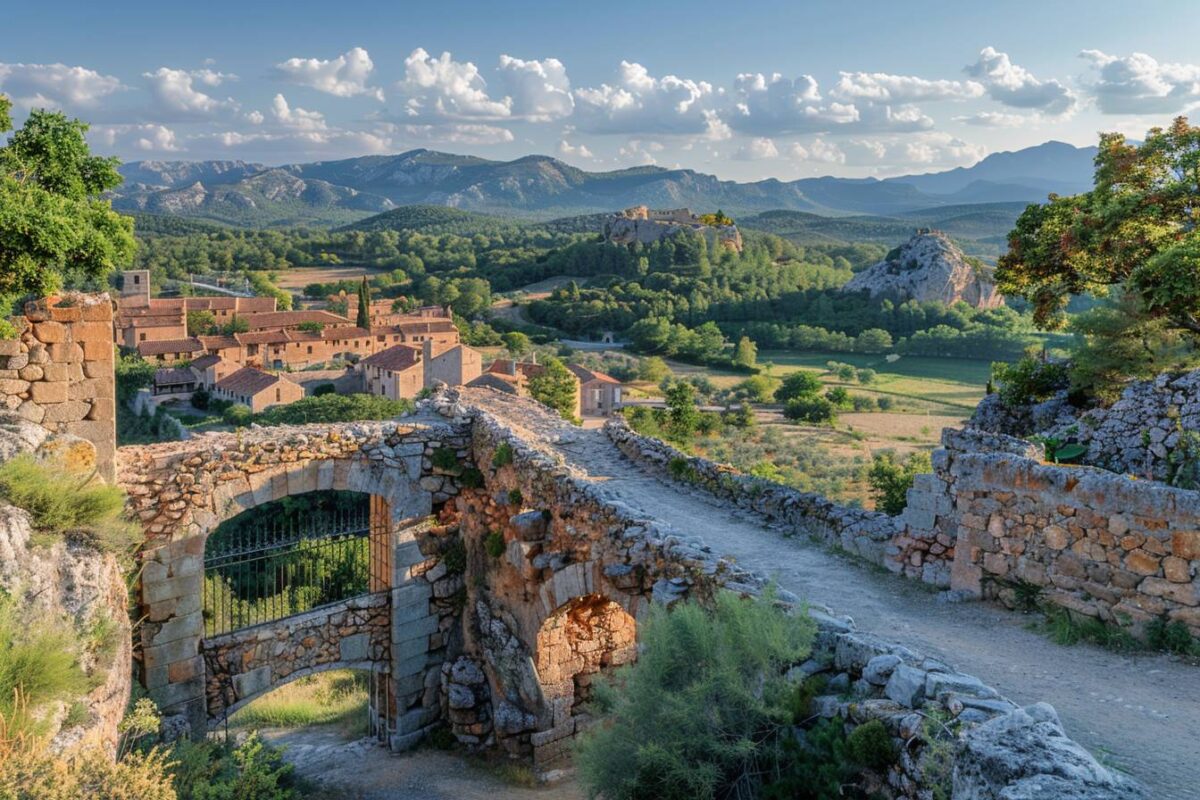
364,305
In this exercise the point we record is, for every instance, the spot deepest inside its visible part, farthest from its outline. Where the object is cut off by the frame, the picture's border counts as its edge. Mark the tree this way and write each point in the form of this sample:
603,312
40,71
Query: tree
53,223
1136,228
891,479
682,415
839,397
746,353
236,324
311,326
653,369
801,383
200,323
516,343
556,387
813,409
364,305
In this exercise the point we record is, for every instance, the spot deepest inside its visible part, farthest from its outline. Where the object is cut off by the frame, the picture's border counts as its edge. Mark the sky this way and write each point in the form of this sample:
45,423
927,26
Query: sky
744,89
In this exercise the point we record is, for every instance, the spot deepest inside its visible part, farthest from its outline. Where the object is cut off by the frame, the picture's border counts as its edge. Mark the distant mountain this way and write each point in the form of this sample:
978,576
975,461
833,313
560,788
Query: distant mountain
337,192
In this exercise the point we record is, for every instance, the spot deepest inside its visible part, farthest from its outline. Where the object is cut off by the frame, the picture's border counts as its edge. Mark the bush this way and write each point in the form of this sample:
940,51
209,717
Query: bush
1030,380
796,385
237,415
61,503
444,458
839,397
890,479
503,456
323,389
866,376
702,711
494,545
884,402
30,771
862,402
756,389
871,746
471,478
38,665
201,398
814,410
335,408
249,771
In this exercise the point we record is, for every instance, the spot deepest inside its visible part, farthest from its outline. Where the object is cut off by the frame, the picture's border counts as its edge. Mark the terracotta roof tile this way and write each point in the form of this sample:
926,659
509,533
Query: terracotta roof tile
169,346
248,381
394,359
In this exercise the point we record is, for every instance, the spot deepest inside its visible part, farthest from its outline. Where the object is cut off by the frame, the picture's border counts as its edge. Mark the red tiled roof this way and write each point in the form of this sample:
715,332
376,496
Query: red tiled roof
394,359
342,334
427,326
248,381
206,361
504,366
586,375
497,381
169,346
173,376
218,342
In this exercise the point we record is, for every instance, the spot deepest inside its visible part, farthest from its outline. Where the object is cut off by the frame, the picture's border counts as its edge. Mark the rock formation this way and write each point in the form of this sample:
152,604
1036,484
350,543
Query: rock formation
929,267
646,226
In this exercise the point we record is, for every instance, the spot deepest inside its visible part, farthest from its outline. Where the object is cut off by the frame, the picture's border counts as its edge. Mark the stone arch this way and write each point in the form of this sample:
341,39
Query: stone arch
581,639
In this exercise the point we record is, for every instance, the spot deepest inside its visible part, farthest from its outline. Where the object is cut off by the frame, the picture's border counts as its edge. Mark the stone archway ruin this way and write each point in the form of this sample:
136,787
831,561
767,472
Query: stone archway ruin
579,641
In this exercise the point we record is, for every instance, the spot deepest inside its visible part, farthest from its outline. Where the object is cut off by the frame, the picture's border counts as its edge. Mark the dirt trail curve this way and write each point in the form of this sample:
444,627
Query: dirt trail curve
1137,713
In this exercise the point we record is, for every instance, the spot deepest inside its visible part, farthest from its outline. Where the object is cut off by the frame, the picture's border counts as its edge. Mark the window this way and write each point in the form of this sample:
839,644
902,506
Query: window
278,395
137,279
141,337
310,349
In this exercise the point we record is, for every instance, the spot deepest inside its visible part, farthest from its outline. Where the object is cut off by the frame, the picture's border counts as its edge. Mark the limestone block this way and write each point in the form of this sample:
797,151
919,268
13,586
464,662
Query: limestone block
248,684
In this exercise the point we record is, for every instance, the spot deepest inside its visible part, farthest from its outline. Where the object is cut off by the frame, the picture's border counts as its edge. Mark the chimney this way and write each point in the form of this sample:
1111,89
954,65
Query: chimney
427,349
533,357
512,367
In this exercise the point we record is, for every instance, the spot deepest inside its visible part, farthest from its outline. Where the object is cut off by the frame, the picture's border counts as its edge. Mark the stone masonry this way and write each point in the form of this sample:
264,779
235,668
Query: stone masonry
59,372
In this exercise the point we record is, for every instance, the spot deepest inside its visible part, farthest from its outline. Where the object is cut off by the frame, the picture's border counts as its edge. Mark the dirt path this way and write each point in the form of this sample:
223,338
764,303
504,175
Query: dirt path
364,770
1137,713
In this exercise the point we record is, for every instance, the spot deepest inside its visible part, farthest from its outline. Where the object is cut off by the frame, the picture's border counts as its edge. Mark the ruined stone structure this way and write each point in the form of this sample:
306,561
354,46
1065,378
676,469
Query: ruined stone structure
644,225
59,372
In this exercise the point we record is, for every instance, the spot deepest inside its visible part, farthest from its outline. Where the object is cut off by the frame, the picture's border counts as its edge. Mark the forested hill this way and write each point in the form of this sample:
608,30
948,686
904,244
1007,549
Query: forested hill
340,192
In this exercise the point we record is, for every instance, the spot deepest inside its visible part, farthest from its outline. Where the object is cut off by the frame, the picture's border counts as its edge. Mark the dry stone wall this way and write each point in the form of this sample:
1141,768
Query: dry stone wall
59,372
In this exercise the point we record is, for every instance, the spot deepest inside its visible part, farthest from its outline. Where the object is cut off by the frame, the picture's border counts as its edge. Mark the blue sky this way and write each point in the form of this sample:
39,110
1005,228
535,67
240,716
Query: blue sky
747,90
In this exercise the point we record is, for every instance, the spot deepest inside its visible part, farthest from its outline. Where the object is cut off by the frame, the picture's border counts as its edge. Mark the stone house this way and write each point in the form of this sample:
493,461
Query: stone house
452,364
171,382
170,351
395,373
599,394
256,389
512,377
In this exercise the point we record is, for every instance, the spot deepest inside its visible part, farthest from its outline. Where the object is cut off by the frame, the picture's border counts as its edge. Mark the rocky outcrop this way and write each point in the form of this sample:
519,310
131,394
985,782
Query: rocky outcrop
642,225
73,585
929,267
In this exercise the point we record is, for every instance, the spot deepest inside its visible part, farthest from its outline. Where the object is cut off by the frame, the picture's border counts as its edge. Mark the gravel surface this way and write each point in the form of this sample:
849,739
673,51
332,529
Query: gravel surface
1137,713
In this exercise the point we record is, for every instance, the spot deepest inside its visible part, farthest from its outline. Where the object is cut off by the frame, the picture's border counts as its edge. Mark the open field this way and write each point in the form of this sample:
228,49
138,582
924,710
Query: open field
295,279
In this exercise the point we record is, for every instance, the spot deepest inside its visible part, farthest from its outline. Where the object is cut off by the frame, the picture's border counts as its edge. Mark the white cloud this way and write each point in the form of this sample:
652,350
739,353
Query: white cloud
942,149
999,119
565,148
882,87
639,152
55,85
539,91
255,118
344,76
1139,84
757,149
818,150
175,93
779,105
716,129
296,118
283,146
1016,86
147,138
456,133
442,88
642,103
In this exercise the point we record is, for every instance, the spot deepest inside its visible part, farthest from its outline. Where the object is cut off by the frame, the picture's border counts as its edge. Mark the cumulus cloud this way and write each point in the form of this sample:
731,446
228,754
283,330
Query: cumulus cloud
443,88
565,148
175,93
296,118
344,76
998,119
457,133
775,105
941,149
284,145
639,152
55,85
756,149
539,91
1139,84
818,150
881,87
147,138
641,103
1016,86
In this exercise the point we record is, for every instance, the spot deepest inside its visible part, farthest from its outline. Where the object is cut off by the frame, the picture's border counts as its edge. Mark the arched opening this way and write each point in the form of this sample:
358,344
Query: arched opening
294,555
339,698
583,638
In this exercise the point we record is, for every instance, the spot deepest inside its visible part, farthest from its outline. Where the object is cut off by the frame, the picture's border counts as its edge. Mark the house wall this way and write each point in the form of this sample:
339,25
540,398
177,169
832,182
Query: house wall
454,367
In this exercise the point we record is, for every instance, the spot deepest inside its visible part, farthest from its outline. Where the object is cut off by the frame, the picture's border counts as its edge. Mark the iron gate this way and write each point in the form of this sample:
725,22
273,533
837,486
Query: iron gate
283,563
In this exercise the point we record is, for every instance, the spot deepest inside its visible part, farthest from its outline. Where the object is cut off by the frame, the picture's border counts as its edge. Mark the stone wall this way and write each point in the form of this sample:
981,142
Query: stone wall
59,372
242,665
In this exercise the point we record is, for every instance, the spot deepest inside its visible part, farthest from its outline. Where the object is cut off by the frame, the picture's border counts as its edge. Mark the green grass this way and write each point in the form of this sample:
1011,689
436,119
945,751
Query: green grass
337,697
38,665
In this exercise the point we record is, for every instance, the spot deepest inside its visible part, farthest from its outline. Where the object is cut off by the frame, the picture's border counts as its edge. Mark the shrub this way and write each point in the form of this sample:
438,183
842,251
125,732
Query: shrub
839,397
756,389
455,557
62,503
471,478
515,498
29,771
702,711
503,456
323,389
1030,380
237,415
216,771
1174,637
815,410
494,545
890,479
885,403
798,384
871,746
38,665
335,408
681,469
866,376
444,458
862,402
201,398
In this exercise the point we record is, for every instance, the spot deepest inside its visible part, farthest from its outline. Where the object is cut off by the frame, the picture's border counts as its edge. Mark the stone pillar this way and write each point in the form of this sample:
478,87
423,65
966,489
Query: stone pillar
413,621
59,373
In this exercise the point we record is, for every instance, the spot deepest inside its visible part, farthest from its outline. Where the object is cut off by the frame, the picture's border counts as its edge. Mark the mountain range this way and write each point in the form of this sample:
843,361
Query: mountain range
338,192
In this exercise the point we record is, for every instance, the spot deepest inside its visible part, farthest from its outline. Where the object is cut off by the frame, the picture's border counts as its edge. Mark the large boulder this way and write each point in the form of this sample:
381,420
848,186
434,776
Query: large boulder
1024,755
929,267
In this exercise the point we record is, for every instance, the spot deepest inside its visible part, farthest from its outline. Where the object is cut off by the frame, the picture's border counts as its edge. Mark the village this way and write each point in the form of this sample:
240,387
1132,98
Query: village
261,357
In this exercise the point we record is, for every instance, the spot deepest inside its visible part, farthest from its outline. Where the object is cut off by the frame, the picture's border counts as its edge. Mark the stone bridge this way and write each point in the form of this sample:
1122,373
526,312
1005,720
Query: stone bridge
498,562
